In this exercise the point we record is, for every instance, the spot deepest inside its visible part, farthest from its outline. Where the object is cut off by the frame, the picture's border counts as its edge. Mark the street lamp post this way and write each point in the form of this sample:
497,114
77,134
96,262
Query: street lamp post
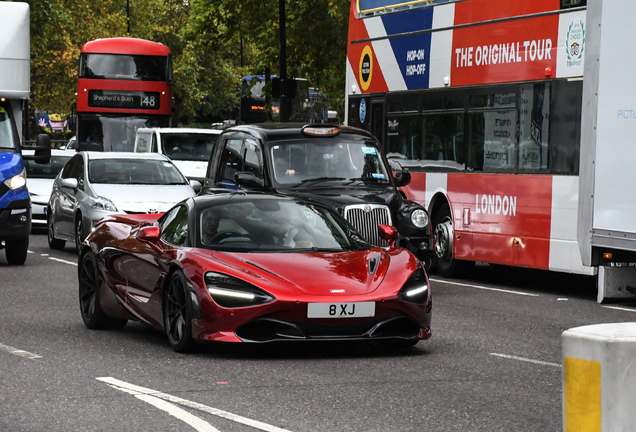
284,99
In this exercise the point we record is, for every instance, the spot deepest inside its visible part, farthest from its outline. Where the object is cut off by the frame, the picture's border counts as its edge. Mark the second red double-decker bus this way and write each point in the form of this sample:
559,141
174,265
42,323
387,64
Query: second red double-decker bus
123,84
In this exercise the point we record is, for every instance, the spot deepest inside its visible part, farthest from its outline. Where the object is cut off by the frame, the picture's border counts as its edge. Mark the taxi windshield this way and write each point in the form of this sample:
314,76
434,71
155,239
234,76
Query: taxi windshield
304,162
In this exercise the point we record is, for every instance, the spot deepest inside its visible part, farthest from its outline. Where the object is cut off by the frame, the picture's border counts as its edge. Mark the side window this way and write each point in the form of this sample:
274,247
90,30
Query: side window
154,147
71,166
174,226
253,159
231,160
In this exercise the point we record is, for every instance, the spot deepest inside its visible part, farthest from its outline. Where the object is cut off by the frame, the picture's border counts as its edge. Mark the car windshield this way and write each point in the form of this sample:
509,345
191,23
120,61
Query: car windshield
47,170
134,171
302,162
271,225
188,146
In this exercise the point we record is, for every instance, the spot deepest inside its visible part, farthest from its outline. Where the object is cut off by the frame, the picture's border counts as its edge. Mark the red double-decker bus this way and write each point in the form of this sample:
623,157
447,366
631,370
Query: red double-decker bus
123,84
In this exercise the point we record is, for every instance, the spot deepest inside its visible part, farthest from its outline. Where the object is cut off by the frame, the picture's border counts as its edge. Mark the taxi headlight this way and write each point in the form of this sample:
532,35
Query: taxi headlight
419,218
231,292
17,181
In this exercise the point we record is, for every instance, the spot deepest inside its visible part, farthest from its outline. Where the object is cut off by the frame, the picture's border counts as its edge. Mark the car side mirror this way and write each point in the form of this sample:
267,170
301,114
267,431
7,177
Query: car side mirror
42,153
196,185
149,234
249,180
70,183
402,178
388,233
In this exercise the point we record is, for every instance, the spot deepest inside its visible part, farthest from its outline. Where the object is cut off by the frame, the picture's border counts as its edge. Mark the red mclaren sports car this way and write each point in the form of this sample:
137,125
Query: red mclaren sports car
251,267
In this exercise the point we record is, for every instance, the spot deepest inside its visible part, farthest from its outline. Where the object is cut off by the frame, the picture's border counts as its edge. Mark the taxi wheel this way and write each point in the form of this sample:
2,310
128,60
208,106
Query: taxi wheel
177,315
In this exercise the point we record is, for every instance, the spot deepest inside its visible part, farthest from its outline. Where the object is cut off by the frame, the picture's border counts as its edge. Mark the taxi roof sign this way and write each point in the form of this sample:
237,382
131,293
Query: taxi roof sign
319,130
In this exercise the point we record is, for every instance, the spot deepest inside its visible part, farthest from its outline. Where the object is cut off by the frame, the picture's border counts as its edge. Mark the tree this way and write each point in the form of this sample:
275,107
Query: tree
213,42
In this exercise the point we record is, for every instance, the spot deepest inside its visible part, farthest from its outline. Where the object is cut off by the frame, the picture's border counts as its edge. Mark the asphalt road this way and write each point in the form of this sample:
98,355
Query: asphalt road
493,364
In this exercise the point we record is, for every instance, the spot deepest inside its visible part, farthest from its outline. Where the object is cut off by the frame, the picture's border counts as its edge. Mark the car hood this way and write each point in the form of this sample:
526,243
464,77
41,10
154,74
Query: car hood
340,196
346,273
144,198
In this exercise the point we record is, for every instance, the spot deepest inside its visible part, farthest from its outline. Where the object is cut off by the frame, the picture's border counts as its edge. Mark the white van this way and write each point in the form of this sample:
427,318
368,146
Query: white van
189,148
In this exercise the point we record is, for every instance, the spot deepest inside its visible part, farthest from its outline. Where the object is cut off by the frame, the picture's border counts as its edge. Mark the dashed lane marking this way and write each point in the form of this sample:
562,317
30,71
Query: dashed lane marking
524,359
484,287
63,261
19,352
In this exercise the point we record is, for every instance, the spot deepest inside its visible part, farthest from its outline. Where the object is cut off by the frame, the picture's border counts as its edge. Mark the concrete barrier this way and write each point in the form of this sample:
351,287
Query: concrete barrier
599,378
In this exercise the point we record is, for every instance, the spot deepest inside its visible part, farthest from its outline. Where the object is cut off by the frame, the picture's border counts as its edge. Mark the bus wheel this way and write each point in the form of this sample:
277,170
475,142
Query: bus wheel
447,266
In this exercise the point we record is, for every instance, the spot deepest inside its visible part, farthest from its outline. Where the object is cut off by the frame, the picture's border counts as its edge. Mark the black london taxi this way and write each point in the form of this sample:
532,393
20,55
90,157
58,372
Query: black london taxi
341,166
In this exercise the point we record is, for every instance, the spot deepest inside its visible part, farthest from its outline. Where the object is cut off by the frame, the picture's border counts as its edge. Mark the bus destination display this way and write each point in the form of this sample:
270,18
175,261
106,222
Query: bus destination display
123,99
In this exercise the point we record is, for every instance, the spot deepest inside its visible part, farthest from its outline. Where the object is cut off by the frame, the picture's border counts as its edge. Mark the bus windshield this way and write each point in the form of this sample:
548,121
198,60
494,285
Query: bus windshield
125,67
114,133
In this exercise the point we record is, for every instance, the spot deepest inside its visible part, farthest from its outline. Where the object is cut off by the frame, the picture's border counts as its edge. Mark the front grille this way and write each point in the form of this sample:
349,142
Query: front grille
271,330
366,218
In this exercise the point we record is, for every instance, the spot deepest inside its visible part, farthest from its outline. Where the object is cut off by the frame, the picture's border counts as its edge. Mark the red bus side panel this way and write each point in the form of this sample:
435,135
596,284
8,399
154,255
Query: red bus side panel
514,50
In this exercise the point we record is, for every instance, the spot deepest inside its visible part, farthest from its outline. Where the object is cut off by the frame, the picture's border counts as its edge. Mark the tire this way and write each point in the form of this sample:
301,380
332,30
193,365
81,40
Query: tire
54,243
16,251
79,232
446,264
92,314
177,314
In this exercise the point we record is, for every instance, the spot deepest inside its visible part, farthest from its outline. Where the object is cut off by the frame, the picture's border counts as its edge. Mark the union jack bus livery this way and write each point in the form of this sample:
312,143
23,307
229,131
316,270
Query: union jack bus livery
123,84
494,108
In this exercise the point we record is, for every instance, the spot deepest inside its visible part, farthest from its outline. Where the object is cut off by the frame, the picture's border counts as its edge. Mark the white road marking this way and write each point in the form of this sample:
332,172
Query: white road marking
127,387
523,359
63,261
484,287
620,308
19,352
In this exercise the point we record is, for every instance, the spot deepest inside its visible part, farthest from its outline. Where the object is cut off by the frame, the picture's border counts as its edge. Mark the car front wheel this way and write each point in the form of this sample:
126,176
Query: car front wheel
177,314
16,251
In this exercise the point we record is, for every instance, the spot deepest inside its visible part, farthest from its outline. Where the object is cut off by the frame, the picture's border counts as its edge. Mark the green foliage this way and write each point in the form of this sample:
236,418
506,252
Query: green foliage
214,43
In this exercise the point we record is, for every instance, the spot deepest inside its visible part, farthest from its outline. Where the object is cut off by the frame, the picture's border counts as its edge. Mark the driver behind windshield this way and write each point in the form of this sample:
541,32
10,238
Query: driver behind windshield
269,225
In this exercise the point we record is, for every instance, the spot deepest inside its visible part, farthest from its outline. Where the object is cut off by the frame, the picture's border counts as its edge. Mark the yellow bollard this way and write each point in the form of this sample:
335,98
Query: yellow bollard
599,378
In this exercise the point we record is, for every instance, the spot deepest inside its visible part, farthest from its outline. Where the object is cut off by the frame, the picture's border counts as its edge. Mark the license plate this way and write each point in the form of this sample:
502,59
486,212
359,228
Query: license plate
341,310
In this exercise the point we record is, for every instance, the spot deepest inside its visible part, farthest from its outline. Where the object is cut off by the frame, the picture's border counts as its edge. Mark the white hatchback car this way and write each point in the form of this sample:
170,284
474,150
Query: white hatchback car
40,182
93,185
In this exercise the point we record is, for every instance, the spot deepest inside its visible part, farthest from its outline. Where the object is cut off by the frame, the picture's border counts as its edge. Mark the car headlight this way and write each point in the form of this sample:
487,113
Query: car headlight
101,203
17,181
416,289
231,292
419,218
